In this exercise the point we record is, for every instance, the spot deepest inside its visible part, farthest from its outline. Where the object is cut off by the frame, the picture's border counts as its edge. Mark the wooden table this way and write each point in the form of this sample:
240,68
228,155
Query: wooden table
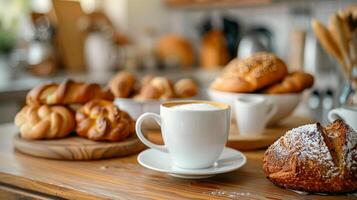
124,178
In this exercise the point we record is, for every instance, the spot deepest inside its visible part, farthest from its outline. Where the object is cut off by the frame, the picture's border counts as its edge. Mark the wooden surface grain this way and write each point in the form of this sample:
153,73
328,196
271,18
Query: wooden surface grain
77,148
124,178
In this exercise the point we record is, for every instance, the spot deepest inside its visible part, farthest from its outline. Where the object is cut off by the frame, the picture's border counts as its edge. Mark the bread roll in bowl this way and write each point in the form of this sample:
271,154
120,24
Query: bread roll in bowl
251,74
295,82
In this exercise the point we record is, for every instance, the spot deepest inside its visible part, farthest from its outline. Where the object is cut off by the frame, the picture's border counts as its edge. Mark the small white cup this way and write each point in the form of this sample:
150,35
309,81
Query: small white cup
194,138
252,114
349,115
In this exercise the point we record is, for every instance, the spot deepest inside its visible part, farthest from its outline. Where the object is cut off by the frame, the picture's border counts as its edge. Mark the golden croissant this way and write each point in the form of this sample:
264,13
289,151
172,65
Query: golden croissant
67,92
293,83
44,122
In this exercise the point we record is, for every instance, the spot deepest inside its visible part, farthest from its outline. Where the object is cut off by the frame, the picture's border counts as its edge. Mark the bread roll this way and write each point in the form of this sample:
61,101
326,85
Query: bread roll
101,120
251,74
158,88
122,84
295,82
44,122
185,88
68,92
314,158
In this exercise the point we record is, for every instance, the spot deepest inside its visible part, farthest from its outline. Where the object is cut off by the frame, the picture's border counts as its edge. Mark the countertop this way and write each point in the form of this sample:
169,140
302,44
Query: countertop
124,178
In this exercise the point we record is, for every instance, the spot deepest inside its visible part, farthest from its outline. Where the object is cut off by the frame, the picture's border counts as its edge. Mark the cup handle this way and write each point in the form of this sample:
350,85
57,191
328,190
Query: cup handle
140,134
333,115
271,111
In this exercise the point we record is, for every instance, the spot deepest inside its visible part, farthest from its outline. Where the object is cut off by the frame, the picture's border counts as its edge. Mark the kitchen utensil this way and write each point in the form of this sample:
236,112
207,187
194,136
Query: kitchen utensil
77,148
231,30
256,40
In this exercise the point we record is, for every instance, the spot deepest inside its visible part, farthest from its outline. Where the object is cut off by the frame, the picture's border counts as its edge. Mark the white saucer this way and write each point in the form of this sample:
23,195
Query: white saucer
229,160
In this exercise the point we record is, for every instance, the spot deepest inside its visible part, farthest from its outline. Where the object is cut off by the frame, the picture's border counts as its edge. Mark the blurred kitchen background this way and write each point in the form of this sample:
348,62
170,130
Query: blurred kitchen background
43,40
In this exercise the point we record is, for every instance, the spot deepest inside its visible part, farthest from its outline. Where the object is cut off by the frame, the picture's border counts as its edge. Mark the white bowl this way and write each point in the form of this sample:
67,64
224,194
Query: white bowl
286,103
136,108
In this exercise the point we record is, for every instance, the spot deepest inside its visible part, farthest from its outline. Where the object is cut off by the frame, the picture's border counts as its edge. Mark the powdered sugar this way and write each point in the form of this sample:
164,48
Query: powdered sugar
350,149
307,143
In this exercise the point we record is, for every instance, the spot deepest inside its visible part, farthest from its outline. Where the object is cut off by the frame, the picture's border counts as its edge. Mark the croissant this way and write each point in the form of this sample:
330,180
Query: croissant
44,122
67,92
122,84
314,158
251,74
101,120
293,83
157,88
185,88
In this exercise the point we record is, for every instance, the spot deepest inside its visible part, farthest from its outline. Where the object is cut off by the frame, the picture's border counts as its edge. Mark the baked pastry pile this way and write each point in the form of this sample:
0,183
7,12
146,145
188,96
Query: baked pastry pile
125,85
314,158
49,113
262,72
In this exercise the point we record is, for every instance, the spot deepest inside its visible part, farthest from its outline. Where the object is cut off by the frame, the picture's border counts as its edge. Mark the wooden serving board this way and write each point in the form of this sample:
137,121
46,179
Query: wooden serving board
252,142
77,148
270,135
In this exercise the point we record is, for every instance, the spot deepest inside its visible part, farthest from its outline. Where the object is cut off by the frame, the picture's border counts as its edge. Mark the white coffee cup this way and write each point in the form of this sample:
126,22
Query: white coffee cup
252,114
347,114
193,138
